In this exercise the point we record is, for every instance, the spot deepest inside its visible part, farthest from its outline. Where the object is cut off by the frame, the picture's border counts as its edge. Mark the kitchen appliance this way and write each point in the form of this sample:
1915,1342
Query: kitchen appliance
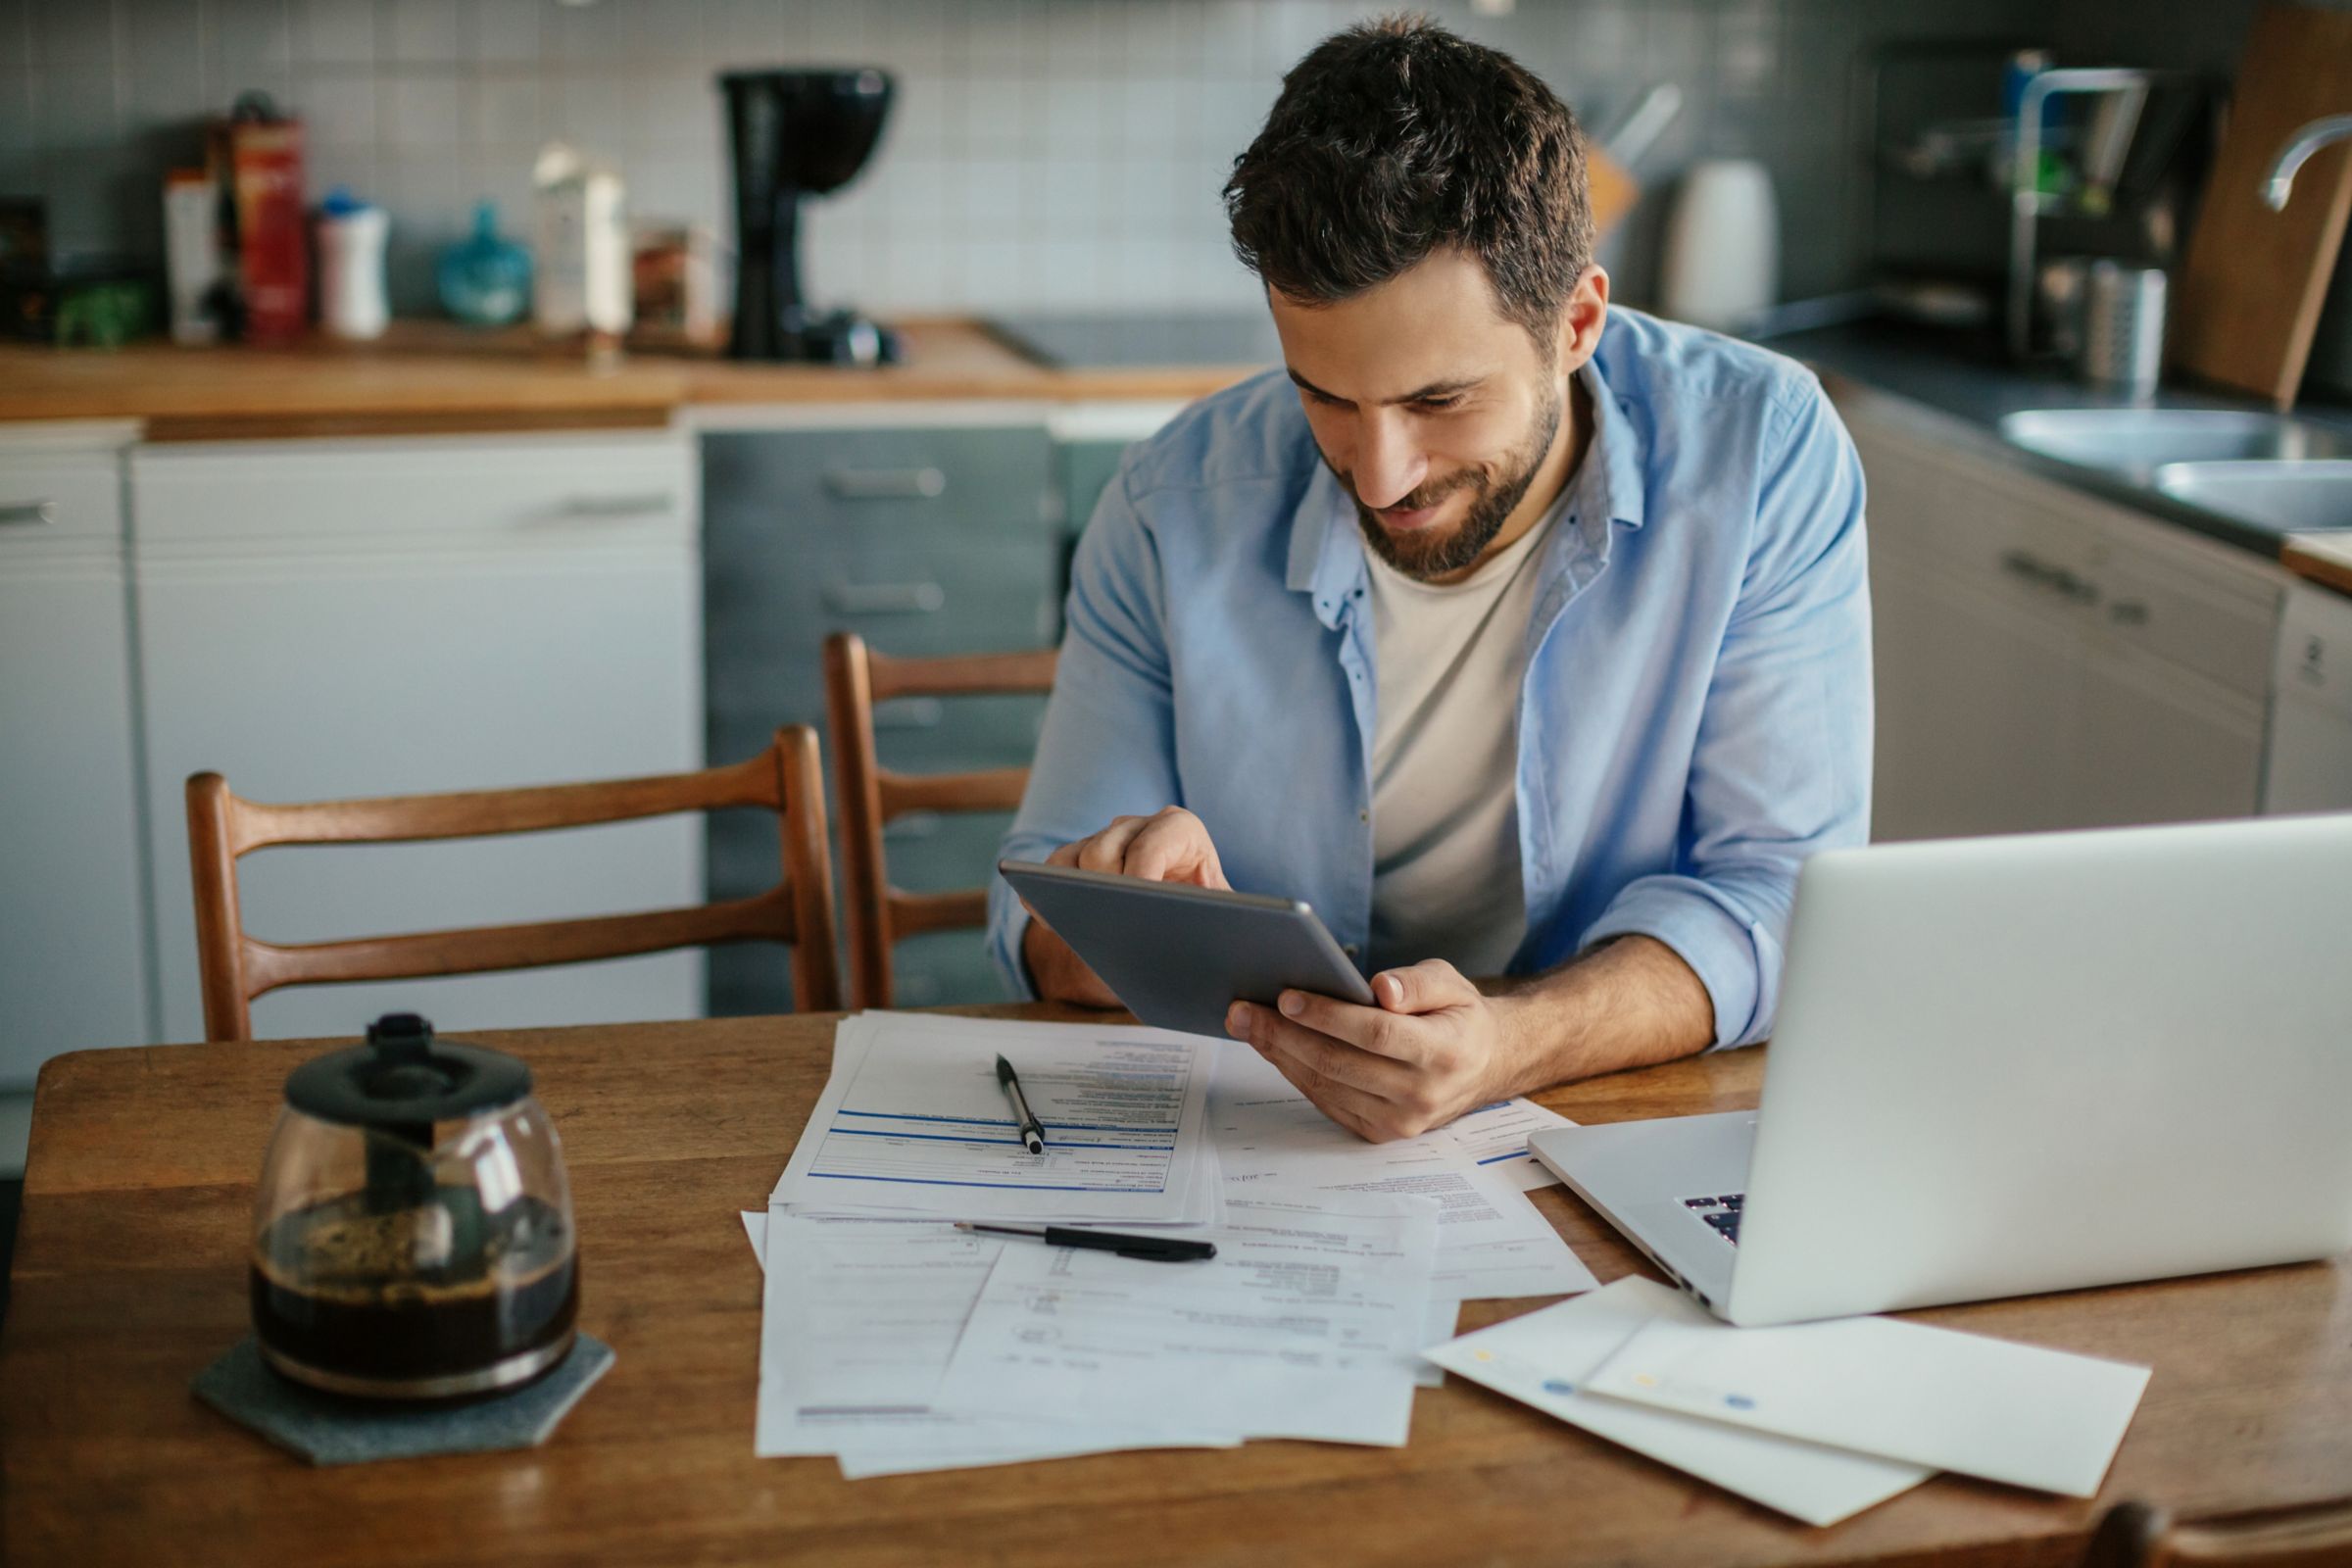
412,1231
1723,246
797,133
1078,340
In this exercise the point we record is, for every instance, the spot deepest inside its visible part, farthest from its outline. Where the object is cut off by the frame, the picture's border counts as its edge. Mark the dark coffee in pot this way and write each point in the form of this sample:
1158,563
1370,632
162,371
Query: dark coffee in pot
432,1301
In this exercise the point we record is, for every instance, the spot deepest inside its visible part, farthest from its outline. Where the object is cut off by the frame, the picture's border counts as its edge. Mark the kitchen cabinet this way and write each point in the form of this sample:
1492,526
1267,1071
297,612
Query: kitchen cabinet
2309,765
927,531
73,959
386,617
2047,659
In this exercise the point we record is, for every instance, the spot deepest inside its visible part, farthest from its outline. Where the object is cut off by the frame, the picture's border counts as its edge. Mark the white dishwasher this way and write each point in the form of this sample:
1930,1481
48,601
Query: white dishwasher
322,620
2309,767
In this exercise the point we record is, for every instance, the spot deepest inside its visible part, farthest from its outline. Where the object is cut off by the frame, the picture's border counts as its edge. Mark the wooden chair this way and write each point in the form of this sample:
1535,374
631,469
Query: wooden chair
787,778
2134,1535
871,795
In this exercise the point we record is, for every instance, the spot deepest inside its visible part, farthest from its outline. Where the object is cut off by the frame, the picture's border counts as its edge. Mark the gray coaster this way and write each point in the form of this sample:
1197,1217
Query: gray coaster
329,1428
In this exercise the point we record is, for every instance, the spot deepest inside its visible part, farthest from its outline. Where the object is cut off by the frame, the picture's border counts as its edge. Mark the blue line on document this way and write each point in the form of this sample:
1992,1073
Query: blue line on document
925,1181
1497,1159
996,1121
995,1143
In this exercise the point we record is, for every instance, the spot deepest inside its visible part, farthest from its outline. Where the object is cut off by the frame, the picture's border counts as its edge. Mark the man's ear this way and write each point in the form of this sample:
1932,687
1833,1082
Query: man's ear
1582,319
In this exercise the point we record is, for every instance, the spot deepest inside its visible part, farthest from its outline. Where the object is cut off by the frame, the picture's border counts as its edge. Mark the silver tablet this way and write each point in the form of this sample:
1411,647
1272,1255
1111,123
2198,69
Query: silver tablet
1179,955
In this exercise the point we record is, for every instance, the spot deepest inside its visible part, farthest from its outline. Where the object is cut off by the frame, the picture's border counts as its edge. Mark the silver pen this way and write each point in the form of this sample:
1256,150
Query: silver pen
1032,1134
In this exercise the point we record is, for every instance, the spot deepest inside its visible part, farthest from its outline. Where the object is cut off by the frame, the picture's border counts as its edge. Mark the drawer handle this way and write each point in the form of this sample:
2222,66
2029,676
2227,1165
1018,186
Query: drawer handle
885,597
887,484
2018,563
613,508
909,712
28,513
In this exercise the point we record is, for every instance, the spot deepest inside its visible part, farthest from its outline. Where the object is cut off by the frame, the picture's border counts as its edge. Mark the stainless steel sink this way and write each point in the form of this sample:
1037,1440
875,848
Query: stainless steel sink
2135,442
2289,497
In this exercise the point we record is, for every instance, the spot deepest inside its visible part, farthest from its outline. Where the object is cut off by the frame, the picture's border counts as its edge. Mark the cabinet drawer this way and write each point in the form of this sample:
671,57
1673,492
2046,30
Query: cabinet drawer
912,735
942,484
623,489
2222,629
47,498
907,602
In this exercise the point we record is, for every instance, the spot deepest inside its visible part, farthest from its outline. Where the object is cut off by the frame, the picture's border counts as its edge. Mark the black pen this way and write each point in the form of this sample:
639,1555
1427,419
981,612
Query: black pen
1032,1134
1152,1249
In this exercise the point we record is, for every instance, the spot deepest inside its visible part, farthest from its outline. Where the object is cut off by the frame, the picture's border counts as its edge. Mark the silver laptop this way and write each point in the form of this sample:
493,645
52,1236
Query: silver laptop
2018,1064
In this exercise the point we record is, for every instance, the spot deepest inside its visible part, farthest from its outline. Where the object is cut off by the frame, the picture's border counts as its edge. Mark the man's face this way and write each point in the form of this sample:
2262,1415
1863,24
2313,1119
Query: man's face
1433,410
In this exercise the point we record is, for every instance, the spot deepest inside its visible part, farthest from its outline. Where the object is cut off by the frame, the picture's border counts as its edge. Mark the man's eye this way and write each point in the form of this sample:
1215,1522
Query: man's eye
1438,405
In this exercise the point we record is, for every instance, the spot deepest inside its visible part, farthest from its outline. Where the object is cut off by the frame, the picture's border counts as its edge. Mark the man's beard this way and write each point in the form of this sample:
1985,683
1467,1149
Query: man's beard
1425,555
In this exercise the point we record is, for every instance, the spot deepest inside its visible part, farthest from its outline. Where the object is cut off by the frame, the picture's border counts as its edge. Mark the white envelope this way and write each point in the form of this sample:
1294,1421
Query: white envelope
1542,1358
1985,1408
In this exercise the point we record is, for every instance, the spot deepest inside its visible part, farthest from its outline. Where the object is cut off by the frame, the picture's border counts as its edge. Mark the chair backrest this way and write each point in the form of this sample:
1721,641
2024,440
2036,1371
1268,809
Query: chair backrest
786,778
2134,1535
875,913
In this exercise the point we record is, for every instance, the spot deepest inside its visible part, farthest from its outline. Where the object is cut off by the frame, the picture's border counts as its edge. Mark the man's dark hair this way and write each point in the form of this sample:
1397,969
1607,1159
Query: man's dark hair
1395,139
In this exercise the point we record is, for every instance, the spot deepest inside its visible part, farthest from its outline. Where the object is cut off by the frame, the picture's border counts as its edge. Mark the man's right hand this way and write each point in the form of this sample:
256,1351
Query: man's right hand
1171,845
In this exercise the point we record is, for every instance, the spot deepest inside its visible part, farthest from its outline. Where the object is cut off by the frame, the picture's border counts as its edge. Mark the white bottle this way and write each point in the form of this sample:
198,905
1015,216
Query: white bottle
581,237
351,267
1722,262
193,253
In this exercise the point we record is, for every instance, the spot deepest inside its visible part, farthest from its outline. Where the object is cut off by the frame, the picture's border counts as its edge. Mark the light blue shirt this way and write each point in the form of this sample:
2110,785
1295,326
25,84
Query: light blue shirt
1695,718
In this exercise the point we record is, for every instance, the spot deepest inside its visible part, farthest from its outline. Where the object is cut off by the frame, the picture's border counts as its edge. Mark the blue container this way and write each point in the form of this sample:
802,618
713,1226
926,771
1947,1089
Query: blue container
486,280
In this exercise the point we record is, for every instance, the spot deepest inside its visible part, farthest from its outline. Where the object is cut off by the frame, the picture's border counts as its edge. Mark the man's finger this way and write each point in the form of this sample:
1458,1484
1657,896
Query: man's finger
1382,1033
1360,1113
1174,845
1378,1076
1106,851
1423,987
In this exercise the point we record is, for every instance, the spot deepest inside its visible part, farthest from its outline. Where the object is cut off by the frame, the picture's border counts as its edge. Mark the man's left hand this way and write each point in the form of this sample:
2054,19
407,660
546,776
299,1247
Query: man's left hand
1433,1047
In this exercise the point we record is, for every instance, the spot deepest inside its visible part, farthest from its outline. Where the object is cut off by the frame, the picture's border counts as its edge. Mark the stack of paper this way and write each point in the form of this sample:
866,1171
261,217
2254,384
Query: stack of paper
913,1121
1818,1420
895,1343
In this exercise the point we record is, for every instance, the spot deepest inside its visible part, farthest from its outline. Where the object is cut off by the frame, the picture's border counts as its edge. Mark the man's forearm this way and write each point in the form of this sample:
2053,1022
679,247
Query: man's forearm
1627,1003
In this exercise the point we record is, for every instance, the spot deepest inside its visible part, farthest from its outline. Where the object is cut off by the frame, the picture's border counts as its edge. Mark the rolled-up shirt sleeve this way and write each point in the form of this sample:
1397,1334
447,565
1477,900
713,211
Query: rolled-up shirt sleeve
1781,766
1108,748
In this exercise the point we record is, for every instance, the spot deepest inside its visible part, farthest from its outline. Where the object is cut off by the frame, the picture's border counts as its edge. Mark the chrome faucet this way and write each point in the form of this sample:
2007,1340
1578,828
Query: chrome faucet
2301,145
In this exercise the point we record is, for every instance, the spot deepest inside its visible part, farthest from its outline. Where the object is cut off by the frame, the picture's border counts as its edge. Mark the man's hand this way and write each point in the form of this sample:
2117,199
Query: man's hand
1433,1047
1171,845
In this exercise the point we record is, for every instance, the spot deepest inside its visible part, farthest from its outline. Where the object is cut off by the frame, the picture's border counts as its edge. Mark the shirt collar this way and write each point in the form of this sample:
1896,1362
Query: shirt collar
1327,558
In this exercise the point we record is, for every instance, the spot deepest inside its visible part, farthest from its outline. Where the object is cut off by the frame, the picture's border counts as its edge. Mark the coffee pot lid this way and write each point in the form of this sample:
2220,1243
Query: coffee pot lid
405,1076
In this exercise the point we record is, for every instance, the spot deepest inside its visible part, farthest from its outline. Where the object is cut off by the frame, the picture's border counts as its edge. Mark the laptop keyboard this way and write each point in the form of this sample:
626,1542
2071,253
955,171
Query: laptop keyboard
1722,1214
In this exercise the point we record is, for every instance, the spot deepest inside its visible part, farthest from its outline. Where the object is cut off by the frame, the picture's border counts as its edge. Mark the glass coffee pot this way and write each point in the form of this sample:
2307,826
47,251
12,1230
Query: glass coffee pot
412,1231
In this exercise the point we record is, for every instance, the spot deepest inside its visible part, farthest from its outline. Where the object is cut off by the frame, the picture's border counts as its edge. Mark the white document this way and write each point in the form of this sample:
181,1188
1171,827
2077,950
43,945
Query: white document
1545,1358
1492,1241
1987,1407
1303,1326
858,1320
913,1120
1495,1136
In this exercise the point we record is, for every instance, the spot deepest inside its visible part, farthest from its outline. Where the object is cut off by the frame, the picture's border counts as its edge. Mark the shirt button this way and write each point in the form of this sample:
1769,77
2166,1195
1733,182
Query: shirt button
1348,948
1364,816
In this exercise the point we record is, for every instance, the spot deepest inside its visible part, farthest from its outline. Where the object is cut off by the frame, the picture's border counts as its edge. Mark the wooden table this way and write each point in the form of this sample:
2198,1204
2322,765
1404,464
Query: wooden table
130,1278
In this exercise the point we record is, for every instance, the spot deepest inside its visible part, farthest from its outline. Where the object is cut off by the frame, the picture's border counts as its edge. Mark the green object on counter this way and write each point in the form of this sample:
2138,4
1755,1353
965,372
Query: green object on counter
103,314
486,280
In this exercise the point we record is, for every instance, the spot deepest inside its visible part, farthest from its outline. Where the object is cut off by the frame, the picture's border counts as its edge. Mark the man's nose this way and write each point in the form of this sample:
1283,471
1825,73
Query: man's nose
1389,463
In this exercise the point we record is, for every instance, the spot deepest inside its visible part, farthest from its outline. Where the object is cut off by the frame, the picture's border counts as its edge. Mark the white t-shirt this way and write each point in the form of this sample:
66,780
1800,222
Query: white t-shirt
1446,874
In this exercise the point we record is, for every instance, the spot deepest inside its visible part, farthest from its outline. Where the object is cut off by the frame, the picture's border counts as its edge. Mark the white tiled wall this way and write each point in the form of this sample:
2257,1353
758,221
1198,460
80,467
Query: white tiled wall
1043,154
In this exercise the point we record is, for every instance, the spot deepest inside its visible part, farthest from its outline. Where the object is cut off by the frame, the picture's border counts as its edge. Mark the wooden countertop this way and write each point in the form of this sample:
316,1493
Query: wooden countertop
130,1278
430,376
2323,558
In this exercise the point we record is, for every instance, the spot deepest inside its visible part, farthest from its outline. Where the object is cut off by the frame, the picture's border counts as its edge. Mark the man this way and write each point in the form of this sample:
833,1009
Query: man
1528,643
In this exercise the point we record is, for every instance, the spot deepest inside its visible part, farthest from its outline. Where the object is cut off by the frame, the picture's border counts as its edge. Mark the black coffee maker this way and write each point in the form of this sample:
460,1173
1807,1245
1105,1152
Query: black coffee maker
797,133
